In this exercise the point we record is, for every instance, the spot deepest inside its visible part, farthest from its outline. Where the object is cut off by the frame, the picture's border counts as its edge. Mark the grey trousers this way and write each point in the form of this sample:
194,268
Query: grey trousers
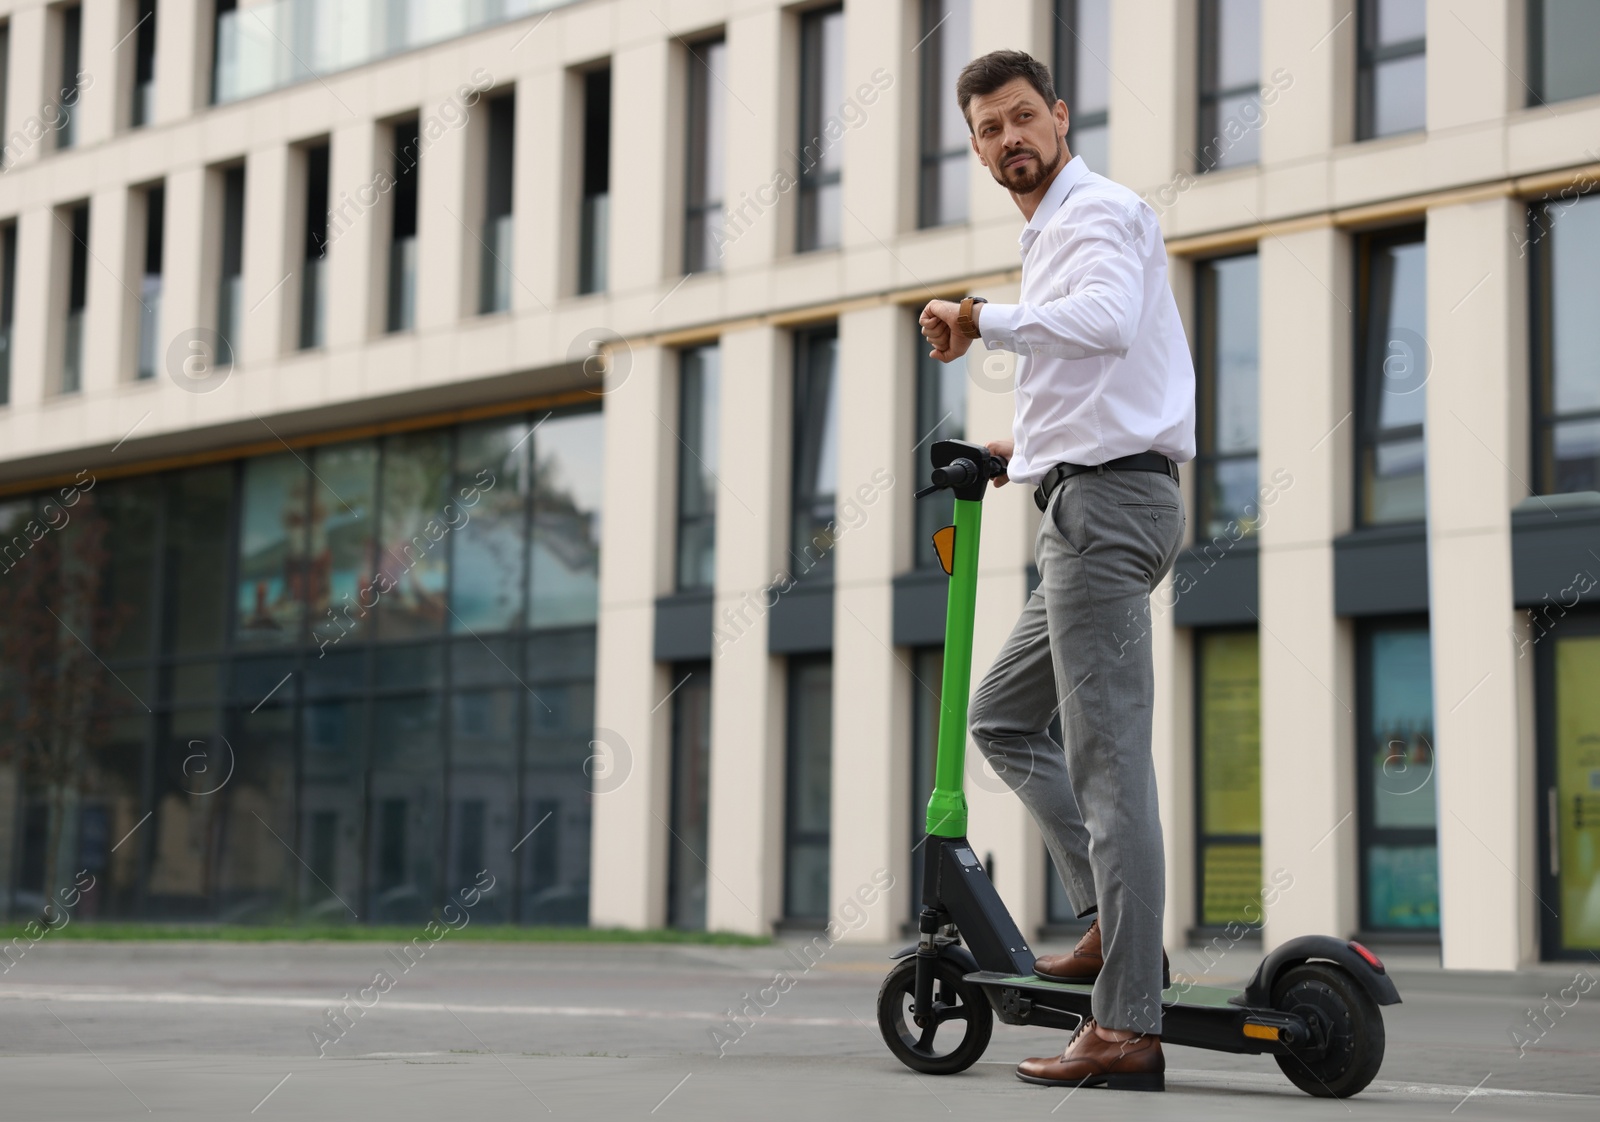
1082,645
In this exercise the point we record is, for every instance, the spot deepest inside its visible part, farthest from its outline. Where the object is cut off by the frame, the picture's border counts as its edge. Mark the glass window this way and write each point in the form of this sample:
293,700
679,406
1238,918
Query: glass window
484,733
1392,374
702,238
1399,810
313,275
406,786
66,94
1083,77
594,223
270,603
1393,86
491,494
196,537
1228,776
821,155
1565,240
1562,60
143,108
1230,79
255,873
698,391
132,511
941,415
559,788
341,582
8,304
945,47
402,294
1572,769
564,552
816,452
494,288
691,794
809,791
1227,385
332,799
150,283
230,284
416,483
72,343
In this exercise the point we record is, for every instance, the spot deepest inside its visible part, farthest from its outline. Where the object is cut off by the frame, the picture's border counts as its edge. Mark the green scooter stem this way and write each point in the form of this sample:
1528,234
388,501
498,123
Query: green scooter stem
947,808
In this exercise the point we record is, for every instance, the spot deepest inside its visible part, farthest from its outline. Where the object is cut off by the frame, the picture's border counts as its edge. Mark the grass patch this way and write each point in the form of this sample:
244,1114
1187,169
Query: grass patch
354,933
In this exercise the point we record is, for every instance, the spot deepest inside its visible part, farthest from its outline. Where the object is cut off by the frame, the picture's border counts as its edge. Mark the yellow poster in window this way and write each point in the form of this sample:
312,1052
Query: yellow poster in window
1578,789
1230,734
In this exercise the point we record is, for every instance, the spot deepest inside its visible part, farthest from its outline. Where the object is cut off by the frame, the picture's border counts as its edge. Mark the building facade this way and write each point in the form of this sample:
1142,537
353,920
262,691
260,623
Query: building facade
347,322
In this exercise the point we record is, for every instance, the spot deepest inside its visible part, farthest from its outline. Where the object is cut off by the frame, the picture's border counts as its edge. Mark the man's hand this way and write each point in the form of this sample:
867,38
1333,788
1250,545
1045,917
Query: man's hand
1004,450
938,324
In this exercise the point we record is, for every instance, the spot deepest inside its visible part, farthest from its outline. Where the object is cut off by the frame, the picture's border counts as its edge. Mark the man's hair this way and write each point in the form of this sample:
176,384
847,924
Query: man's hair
987,74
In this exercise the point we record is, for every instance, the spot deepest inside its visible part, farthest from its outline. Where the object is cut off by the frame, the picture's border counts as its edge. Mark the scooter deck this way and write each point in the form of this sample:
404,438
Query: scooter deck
1211,997
1191,1015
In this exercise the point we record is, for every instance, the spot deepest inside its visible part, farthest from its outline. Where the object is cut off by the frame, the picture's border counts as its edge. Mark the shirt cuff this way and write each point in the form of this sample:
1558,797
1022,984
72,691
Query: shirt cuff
997,324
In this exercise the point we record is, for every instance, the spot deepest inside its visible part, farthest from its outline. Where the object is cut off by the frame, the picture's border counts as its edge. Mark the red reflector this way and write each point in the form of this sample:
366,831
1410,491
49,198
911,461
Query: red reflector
1372,959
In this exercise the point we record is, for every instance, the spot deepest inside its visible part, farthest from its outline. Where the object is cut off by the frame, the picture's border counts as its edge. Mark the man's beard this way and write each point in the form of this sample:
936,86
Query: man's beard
1024,181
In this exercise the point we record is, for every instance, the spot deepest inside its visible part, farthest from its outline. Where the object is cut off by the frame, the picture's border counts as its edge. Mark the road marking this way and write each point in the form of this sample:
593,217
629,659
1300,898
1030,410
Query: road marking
170,997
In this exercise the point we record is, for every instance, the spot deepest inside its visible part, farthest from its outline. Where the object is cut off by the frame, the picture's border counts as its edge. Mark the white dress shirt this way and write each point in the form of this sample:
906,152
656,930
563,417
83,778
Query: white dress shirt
1103,366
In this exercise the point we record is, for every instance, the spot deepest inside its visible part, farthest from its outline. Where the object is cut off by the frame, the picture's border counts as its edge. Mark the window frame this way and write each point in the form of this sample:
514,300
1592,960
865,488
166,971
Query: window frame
934,103
699,206
1368,835
1543,418
685,450
1206,459
1197,717
1365,438
1208,95
1369,56
813,114
1067,43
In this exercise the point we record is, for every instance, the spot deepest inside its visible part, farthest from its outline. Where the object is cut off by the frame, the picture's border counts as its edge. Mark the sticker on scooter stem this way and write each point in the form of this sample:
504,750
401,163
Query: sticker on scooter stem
944,544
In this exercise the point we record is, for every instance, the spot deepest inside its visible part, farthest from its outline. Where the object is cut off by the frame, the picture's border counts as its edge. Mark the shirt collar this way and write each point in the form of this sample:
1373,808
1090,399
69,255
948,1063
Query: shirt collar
1064,182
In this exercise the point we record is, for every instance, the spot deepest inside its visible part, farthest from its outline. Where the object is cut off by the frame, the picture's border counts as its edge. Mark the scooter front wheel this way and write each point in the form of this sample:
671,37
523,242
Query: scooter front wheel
930,1045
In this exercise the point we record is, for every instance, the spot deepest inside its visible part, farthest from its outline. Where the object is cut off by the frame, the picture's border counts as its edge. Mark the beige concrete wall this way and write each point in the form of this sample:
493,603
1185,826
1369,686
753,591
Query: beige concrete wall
1476,428
1308,826
871,711
632,749
747,692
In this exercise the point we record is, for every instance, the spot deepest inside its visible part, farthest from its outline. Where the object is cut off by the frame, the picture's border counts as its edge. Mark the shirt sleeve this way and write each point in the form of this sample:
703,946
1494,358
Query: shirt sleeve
1098,273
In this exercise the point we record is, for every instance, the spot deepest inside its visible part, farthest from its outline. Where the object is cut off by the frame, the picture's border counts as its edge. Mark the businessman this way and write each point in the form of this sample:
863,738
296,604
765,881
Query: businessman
1104,415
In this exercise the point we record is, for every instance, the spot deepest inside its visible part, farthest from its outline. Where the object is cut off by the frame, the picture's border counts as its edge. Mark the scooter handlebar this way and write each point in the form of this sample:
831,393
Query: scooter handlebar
963,472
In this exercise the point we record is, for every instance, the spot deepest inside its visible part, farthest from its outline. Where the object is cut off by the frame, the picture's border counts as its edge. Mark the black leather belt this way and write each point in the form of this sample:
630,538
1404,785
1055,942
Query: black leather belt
1141,461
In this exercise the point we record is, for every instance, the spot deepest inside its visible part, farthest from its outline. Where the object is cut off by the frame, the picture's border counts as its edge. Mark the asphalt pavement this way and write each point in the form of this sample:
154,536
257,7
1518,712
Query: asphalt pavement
489,1031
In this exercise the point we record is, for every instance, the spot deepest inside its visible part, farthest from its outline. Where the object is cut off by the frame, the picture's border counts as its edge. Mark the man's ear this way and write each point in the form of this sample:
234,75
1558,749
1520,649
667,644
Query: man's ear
973,140
1063,118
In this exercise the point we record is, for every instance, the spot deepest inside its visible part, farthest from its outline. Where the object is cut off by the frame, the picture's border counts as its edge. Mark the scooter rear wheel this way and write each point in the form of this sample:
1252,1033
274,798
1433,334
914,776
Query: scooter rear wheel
957,1006
1346,1019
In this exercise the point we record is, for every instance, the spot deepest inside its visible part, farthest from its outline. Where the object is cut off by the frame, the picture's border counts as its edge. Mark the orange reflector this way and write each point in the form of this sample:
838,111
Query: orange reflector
944,544
1262,1032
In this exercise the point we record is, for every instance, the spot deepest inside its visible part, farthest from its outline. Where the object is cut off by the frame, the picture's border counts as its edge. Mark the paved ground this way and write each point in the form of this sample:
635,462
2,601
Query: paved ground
482,1031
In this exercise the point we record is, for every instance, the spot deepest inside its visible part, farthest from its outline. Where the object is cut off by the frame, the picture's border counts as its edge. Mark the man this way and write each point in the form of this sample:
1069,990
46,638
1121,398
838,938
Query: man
1104,412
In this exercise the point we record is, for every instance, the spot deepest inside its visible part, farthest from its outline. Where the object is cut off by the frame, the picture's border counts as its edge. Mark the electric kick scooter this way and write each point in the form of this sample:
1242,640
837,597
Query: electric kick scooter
1312,1004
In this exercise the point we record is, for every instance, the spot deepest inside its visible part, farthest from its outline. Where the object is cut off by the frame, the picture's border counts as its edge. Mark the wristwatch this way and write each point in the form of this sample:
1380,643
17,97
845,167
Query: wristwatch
964,321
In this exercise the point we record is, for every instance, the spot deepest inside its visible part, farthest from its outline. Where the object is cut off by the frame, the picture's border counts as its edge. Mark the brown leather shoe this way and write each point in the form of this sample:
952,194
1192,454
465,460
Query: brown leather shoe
1082,965
1090,1061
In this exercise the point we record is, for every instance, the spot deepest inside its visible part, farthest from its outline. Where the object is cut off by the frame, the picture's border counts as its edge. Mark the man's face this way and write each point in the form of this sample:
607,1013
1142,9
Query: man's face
1017,137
